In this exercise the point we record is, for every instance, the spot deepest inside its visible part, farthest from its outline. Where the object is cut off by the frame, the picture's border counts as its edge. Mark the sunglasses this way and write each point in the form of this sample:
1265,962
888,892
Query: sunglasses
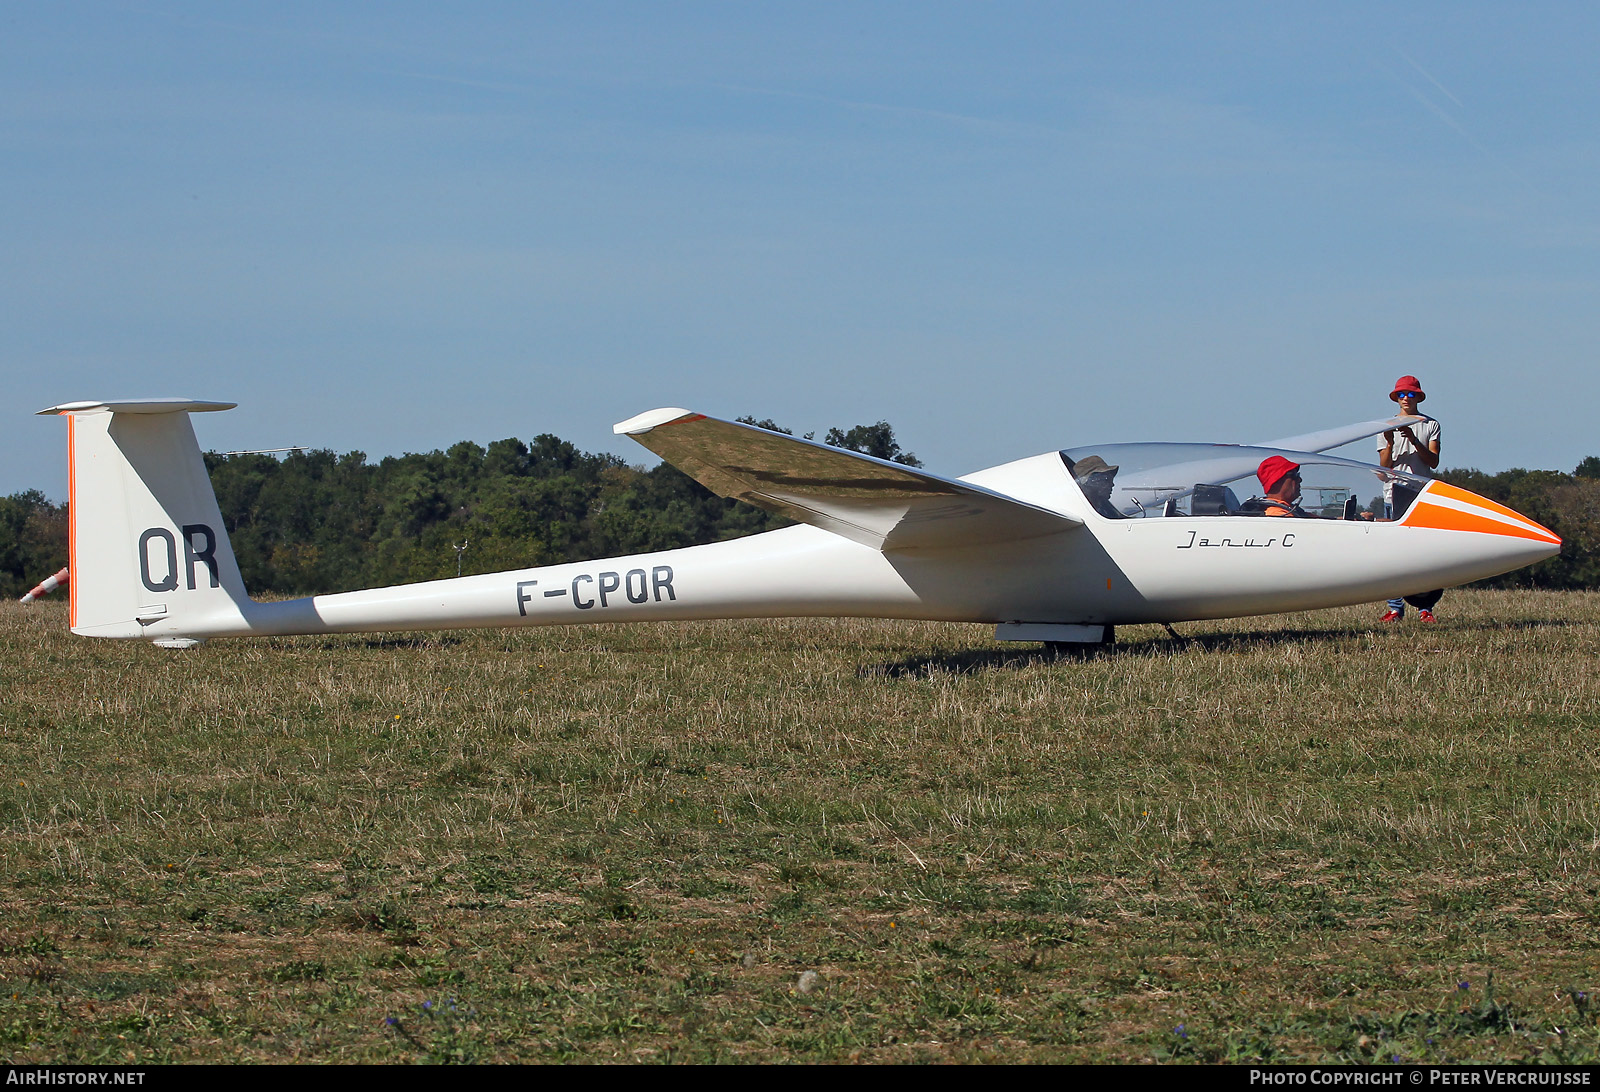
1408,396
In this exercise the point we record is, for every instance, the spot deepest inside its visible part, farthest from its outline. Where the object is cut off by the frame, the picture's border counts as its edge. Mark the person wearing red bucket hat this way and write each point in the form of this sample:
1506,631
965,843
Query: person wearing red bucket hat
1414,449
1280,489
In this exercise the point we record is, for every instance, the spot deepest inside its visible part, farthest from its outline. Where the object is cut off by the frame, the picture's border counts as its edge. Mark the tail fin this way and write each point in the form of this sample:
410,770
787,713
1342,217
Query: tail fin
149,555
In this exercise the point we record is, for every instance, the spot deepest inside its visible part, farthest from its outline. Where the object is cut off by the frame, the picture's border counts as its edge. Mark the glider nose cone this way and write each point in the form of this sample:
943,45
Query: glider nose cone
1500,534
1526,551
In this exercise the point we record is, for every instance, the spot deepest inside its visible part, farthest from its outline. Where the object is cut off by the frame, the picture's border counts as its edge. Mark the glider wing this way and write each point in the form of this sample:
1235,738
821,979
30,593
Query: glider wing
1330,438
871,501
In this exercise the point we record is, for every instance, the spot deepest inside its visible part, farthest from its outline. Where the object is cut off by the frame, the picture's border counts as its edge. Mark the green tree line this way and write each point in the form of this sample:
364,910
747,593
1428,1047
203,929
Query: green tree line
33,540
1568,504
316,522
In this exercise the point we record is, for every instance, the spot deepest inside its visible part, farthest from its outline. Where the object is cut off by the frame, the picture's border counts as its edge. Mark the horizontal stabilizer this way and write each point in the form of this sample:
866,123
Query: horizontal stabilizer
871,501
138,405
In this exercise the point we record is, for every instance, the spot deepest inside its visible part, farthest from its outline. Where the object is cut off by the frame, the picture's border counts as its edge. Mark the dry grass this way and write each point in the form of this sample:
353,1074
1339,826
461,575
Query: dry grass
1286,839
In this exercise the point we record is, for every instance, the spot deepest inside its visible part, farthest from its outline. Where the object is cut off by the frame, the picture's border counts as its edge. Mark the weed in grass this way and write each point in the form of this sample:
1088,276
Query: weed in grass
35,945
444,1031
388,917
299,970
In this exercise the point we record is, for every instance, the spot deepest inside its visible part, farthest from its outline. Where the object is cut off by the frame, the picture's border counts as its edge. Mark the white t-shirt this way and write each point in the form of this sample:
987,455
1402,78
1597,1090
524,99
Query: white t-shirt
1407,456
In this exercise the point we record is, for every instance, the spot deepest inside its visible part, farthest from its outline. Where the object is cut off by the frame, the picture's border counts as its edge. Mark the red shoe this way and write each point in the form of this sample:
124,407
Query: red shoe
1426,616
1395,616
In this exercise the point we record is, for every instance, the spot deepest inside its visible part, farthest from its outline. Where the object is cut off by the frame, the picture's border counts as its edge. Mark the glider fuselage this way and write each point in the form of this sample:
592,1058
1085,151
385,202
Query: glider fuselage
1017,543
1120,572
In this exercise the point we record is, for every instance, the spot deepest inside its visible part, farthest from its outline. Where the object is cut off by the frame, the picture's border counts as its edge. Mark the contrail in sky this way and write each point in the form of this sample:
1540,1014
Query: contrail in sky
1425,74
909,111
1453,122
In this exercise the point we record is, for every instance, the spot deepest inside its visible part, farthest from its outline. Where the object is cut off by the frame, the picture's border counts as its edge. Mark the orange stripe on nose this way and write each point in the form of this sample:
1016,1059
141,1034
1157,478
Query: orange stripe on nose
1437,516
1455,492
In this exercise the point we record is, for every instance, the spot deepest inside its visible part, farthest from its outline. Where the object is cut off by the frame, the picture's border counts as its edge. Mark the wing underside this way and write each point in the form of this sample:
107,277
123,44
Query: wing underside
877,503
1330,438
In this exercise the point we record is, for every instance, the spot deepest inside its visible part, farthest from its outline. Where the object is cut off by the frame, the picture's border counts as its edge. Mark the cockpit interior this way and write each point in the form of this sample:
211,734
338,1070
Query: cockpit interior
1162,480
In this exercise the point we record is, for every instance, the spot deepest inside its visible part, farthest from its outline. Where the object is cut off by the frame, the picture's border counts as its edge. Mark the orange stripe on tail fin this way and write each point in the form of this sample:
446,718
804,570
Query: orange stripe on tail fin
72,521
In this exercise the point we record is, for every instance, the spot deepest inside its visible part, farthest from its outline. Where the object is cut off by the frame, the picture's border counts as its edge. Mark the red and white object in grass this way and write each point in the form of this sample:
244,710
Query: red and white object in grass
45,586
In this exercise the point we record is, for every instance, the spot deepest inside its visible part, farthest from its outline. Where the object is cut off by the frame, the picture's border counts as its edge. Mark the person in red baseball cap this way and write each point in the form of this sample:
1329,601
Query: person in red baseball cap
1413,448
1280,487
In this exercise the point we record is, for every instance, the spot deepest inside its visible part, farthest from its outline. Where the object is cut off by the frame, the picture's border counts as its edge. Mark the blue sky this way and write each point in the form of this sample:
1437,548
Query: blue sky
1005,228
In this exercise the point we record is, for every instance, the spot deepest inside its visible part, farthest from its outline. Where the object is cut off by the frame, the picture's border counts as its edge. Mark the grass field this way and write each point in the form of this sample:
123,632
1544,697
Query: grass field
1287,839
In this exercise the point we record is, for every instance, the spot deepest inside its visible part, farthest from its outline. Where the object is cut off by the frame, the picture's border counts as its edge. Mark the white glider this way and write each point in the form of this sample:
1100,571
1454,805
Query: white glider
1020,546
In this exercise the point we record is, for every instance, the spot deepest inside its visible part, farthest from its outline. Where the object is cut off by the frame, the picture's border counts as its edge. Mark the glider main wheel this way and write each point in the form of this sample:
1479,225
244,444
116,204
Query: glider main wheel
1083,650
